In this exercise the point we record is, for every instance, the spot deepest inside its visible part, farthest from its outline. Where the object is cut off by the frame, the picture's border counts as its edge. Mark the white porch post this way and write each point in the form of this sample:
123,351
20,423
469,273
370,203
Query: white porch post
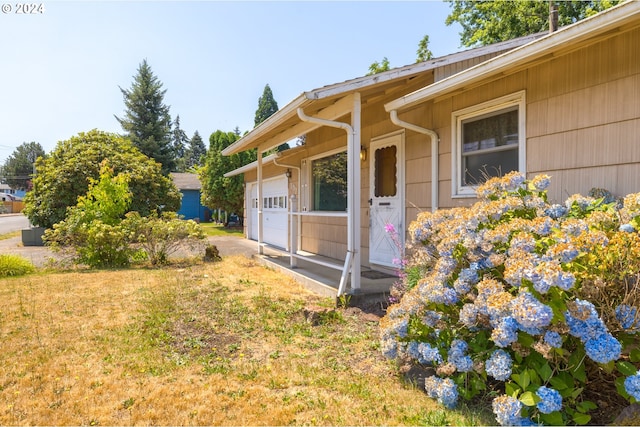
260,235
354,190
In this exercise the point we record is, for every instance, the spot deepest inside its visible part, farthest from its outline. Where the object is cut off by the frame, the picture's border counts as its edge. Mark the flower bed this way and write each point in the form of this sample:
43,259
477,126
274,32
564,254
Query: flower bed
530,303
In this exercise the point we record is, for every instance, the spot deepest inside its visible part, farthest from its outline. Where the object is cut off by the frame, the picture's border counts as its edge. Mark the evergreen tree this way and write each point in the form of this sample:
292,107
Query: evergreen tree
147,122
18,168
267,106
487,22
179,139
195,151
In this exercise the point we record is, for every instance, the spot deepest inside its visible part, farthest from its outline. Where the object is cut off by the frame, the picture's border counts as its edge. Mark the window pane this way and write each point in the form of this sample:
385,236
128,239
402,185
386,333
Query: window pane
385,170
481,136
490,132
476,168
329,178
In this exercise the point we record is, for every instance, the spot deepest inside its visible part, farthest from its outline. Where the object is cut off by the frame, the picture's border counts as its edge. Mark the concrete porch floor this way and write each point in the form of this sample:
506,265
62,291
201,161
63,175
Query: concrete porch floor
315,277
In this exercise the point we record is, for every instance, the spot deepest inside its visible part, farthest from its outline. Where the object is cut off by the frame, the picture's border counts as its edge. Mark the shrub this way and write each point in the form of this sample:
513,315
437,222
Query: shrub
92,227
161,236
14,265
530,301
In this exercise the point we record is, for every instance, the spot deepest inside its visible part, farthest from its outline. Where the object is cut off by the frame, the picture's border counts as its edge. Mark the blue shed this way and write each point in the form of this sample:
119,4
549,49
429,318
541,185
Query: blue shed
189,185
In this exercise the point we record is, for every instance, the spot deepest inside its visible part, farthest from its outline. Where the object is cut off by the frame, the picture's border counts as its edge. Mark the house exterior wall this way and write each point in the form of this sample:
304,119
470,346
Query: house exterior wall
191,207
582,123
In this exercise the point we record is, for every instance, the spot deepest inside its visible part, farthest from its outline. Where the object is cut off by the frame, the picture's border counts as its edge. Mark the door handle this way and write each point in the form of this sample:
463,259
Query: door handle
370,202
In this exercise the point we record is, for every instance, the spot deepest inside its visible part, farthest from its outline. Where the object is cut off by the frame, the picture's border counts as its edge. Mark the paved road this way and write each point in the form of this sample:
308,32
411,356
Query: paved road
13,222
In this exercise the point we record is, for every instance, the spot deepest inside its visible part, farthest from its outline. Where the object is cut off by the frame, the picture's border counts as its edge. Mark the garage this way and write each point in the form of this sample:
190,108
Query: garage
274,211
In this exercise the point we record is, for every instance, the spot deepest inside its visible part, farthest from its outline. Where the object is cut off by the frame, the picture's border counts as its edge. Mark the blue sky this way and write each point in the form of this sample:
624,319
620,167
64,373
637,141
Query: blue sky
60,71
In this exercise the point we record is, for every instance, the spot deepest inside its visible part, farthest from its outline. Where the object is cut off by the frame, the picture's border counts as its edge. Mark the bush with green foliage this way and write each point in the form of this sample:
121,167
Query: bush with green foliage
161,236
14,265
92,227
528,302
65,175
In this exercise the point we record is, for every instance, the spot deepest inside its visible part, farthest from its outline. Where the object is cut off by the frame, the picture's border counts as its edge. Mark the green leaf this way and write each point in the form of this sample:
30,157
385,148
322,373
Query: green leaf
557,383
529,398
626,368
511,389
576,392
545,372
581,419
553,419
586,406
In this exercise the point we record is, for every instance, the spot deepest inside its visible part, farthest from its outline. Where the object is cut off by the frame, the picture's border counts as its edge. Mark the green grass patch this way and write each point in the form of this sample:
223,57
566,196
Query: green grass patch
213,229
14,265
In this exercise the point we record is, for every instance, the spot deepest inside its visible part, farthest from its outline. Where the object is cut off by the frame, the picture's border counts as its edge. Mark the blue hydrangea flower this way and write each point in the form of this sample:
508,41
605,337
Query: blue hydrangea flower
556,211
457,356
507,410
506,332
541,182
428,354
553,339
531,313
444,390
551,400
603,349
627,228
431,318
499,365
626,315
589,328
468,315
632,385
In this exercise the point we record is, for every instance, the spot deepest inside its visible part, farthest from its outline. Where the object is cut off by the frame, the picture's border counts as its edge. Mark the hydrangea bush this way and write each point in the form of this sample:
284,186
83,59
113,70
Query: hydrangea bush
529,303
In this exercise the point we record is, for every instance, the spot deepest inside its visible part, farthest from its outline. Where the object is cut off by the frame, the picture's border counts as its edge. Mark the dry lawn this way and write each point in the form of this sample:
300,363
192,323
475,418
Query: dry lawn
200,344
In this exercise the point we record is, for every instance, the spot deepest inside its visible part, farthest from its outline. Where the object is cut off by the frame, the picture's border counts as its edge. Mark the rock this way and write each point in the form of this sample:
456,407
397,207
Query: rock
630,416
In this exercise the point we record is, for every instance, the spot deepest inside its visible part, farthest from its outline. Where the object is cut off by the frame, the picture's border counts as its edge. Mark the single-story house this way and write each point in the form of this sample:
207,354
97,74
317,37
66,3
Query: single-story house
190,187
381,148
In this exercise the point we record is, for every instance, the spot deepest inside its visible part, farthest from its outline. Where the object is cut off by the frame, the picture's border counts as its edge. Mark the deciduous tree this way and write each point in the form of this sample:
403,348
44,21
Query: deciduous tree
218,191
487,22
65,175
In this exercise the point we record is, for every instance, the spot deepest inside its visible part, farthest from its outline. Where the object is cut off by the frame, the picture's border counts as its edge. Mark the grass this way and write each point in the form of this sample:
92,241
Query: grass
214,229
196,344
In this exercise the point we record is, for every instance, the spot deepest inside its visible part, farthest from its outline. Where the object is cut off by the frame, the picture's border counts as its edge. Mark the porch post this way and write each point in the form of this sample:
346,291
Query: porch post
354,168
260,235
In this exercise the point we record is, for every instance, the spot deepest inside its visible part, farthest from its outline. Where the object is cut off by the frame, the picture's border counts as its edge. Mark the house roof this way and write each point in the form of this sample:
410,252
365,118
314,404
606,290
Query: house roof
186,181
271,158
285,124
580,34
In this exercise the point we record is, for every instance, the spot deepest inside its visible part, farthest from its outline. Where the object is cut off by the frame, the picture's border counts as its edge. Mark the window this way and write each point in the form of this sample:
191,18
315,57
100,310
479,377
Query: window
488,141
329,182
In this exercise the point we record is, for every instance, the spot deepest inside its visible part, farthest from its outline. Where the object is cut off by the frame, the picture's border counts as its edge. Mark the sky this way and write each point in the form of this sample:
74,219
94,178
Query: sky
61,68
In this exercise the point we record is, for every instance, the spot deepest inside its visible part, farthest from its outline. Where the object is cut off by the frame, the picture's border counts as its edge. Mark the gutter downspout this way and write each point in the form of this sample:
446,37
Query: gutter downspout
352,261
434,153
293,245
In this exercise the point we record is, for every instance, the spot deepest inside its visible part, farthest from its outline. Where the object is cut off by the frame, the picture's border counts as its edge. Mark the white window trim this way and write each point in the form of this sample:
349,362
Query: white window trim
307,200
457,117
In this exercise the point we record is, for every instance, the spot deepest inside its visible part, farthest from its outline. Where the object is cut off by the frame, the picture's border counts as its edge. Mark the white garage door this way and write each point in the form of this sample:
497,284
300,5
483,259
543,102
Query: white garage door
274,212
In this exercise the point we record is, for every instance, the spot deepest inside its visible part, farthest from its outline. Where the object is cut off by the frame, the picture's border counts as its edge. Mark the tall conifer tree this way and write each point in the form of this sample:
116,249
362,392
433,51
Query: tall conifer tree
147,122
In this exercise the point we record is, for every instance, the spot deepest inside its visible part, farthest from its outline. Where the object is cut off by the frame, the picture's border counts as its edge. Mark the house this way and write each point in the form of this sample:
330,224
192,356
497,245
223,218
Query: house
190,187
381,148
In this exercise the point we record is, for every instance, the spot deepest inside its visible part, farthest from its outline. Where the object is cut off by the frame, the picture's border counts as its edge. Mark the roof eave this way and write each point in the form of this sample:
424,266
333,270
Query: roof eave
588,27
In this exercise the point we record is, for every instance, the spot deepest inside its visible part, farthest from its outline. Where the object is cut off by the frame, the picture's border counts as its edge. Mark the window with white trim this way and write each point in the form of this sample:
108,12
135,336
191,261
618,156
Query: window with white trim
327,178
488,141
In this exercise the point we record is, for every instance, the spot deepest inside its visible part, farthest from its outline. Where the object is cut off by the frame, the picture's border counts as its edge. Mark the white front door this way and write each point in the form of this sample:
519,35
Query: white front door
386,200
